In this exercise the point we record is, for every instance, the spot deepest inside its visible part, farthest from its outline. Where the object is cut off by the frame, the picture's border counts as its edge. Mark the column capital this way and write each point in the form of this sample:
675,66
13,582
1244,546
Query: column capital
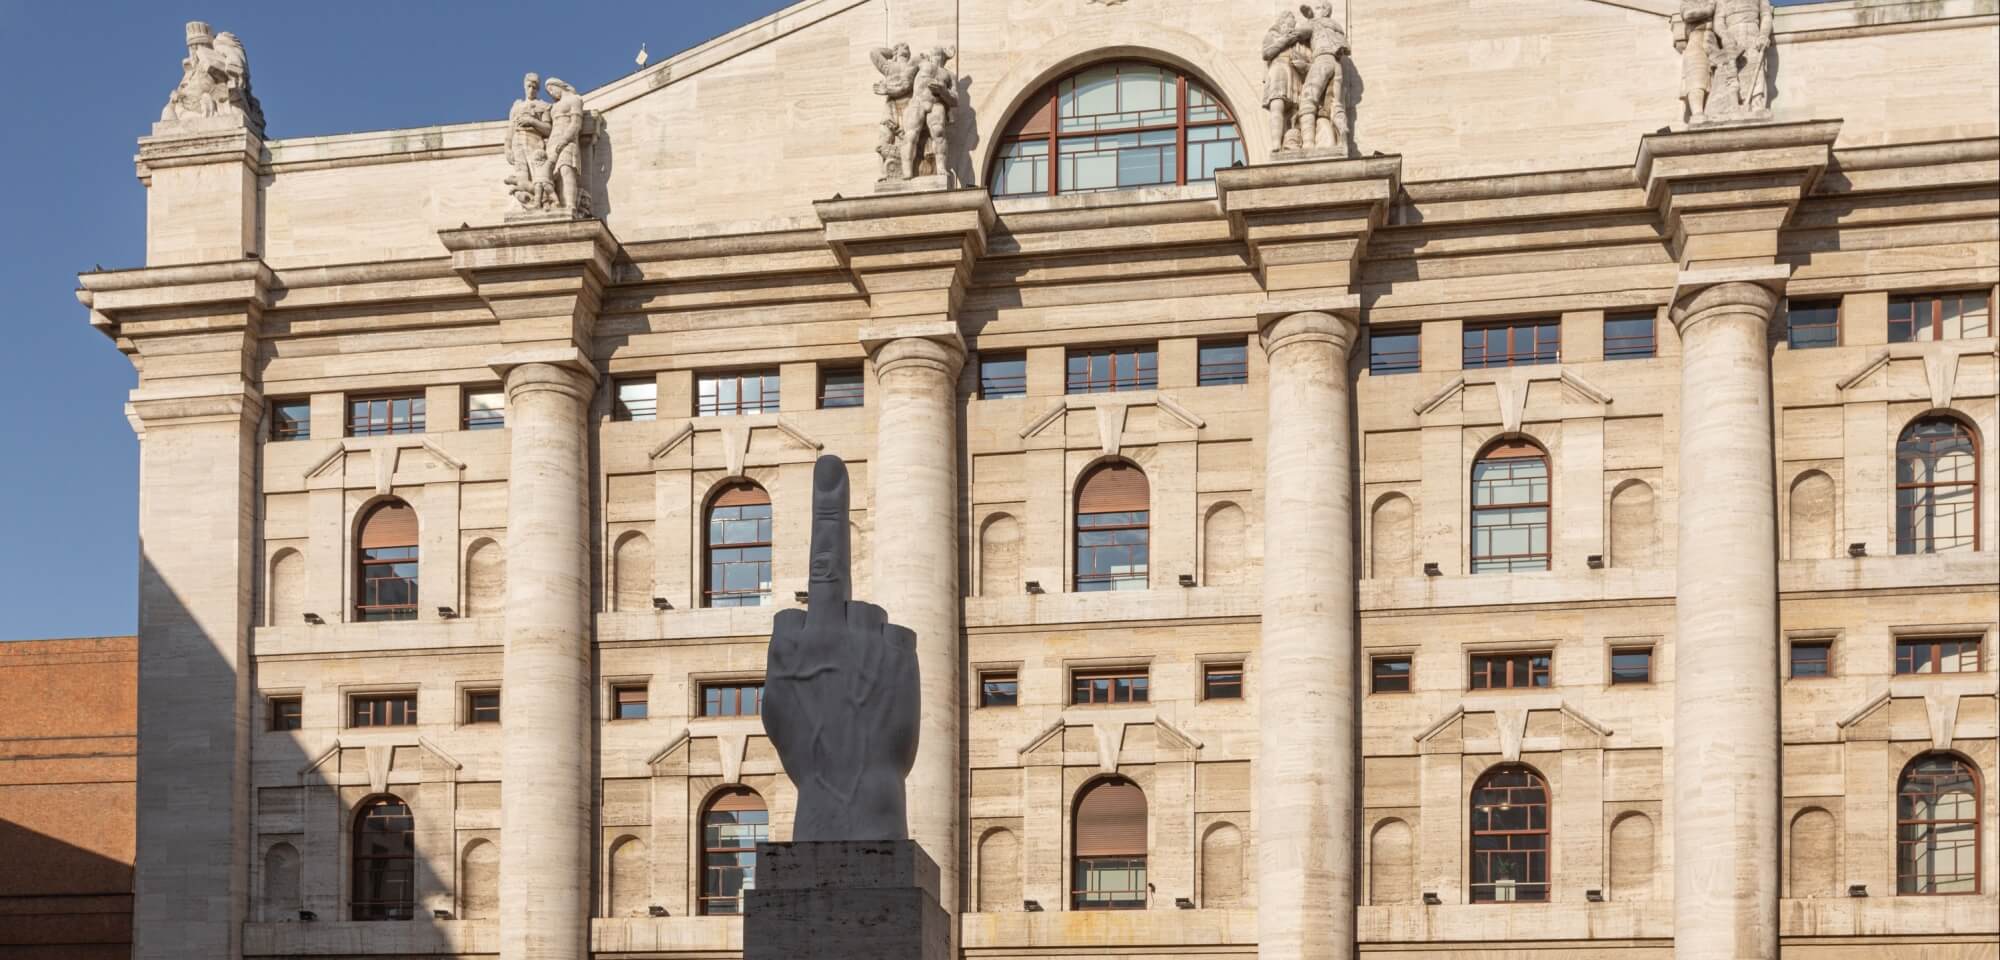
1307,223
544,280
526,372
1724,192
1330,319
941,355
1701,294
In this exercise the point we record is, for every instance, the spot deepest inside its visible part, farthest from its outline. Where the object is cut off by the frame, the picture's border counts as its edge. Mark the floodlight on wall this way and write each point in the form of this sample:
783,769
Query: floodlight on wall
1431,899
440,914
1035,586
1185,903
447,613
800,596
656,911
1187,579
1032,906
307,916
662,603
1857,550
1857,890
1594,896
1595,561
1432,570
314,619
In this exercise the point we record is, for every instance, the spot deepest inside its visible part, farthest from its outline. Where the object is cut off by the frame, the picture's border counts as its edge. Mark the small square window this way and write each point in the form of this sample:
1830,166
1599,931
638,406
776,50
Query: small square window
1108,686
1929,655
628,702
1002,375
482,706
1390,674
1812,659
1810,324
291,420
1000,688
485,409
1222,681
1394,350
1629,337
840,388
1223,363
732,699
389,710
287,713
1632,665
635,399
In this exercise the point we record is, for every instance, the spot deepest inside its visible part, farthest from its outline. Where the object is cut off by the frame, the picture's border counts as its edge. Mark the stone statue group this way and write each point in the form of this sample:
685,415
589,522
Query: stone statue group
215,81
1304,81
1724,47
544,147
918,93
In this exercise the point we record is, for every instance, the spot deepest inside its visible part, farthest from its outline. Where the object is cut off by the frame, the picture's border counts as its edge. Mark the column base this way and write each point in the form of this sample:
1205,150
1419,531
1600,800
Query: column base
845,900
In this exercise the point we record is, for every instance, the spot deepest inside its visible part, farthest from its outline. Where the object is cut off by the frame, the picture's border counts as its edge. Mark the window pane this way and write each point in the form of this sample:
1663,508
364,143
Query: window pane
636,400
999,690
1393,351
1812,324
1223,363
1810,660
291,420
1004,375
485,410
1391,675
840,388
1628,337
1222,683
1632,666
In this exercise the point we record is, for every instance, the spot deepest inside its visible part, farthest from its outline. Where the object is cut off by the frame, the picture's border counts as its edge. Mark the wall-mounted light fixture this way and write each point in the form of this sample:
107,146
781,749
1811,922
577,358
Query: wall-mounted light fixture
1431,899
1594,896
1035,586
1857,550
314,619
1595,561
1432,570
447,613
1185,903
662,603
1857,890
307,916
1031,906
656,911
800,595
1187,579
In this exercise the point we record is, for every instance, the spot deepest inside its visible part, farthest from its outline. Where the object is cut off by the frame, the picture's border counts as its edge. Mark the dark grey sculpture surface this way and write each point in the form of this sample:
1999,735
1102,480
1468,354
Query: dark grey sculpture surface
841,699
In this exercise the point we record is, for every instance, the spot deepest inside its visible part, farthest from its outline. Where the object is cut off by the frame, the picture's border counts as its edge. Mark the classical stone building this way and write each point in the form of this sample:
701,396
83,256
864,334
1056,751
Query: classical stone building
1425,478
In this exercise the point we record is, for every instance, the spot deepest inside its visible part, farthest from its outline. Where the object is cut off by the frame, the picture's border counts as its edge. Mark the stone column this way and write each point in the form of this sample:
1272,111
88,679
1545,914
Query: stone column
915,511
1725,733
1307,752
546,863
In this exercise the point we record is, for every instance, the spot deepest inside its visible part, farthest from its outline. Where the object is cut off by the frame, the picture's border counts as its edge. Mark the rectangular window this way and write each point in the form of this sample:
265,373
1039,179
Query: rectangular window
1810,324
1812,658
1394,350
732,699
287,713
482,706
1962,315
1003,375
999,689
1113,369
385,416
735,394
840,388
628,702
291,420
1509,671
636,399
1922,655
1629,336
485,409
1513,344
385,710
1390,674
1632,665
1222,681
1223,363
1108,686
1109,883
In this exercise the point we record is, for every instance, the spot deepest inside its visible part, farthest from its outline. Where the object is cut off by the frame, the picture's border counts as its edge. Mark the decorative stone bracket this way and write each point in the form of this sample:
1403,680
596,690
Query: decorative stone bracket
1510,715
384,456
1108,727
1513,385
732,741
1111,410
1940,359
735,435
1941,697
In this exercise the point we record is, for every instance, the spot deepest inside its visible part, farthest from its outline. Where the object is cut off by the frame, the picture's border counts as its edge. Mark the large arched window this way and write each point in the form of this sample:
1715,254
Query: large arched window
384,860
1510,508
1510,836
1112,126
731,827
1109,872
385,585
1937,826
1112,535
1937,486
739,546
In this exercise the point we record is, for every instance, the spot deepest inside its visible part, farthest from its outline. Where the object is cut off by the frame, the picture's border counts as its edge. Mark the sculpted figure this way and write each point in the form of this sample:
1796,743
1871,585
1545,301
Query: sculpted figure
1744,29
1322,101
926,122
565,147
1285,60
899,72
215,80
1723,46
841,698
527,147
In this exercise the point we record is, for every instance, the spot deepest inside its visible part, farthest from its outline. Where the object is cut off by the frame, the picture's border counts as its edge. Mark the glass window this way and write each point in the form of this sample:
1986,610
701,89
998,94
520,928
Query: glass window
628,702
287,713
386,710
291,420
739,548
1632,665
733,394
840,388
734,823
1509,671
1811,658
387,562
1629,336
1810,324
1222,681
485,409
1940,316
732,699
385,416
1003,375
1394,351
1109,871
384,861
1510,837
1513,344
1115,126
1223,363
1937,826
1937,487
1113,369
1390,674
1510,510
636,399
999,689
1918,655
482,706
1108,686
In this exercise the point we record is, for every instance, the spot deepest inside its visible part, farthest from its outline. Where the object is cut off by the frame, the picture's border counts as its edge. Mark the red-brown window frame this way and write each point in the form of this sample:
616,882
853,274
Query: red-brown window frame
1792,661
282,430
1209,679
1516,355
382,710
1527,674
1221,373
1049,98
364,583
767,400
987,677
473,709
704,901
362,865
621,695
726,690
1139,378
1935,301
1513,450
1935,646
1407,677
287,713
1978,824
1546,832
1978,465
1138,686
858,393
710,547
413,422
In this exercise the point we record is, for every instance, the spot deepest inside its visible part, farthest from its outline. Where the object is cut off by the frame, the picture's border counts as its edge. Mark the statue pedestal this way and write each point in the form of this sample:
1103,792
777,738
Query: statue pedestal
845,900
923,184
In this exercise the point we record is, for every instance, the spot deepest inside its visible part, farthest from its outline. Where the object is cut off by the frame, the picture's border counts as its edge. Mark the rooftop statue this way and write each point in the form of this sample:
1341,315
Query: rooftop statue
918,93
215,81
545,148
1725,63
1304,81
841,700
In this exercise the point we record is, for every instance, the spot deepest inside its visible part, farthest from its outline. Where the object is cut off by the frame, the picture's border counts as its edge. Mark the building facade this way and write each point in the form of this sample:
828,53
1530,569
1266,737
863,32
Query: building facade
1418,478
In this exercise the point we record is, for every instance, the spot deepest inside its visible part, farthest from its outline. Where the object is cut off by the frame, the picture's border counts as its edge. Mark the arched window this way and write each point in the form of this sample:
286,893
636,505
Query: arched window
732,826
1937,487
1510,508
384,860
739,546
1510,836
1937,826
386,564
1112,537
1110,868
1112,126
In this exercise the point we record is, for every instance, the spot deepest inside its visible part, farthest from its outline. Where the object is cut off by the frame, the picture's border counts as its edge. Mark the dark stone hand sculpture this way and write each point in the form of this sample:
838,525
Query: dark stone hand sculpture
841,699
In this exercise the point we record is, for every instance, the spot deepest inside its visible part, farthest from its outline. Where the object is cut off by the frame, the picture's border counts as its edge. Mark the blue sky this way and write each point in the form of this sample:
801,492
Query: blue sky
93,77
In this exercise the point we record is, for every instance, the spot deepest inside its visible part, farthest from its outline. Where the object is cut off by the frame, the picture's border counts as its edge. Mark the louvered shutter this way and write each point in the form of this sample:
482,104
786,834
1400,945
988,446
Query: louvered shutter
1111,821
742,495
736,801
1114,488
389,525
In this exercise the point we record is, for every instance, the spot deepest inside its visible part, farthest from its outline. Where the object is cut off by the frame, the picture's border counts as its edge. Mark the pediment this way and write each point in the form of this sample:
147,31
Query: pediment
1105,737
1113,413
739,440
1511,390
1510,724
407,460
723,741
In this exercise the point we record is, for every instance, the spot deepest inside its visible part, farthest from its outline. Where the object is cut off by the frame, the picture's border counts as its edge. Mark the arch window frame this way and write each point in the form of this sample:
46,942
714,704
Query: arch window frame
372,874
1504,843
1088,871
1510,453
1102,537
720,860
1198,119
1926,827
752,549
1925,492
392,569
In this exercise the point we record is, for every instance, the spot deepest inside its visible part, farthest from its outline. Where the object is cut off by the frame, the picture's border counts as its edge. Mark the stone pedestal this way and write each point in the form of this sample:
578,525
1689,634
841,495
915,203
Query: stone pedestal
845,900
